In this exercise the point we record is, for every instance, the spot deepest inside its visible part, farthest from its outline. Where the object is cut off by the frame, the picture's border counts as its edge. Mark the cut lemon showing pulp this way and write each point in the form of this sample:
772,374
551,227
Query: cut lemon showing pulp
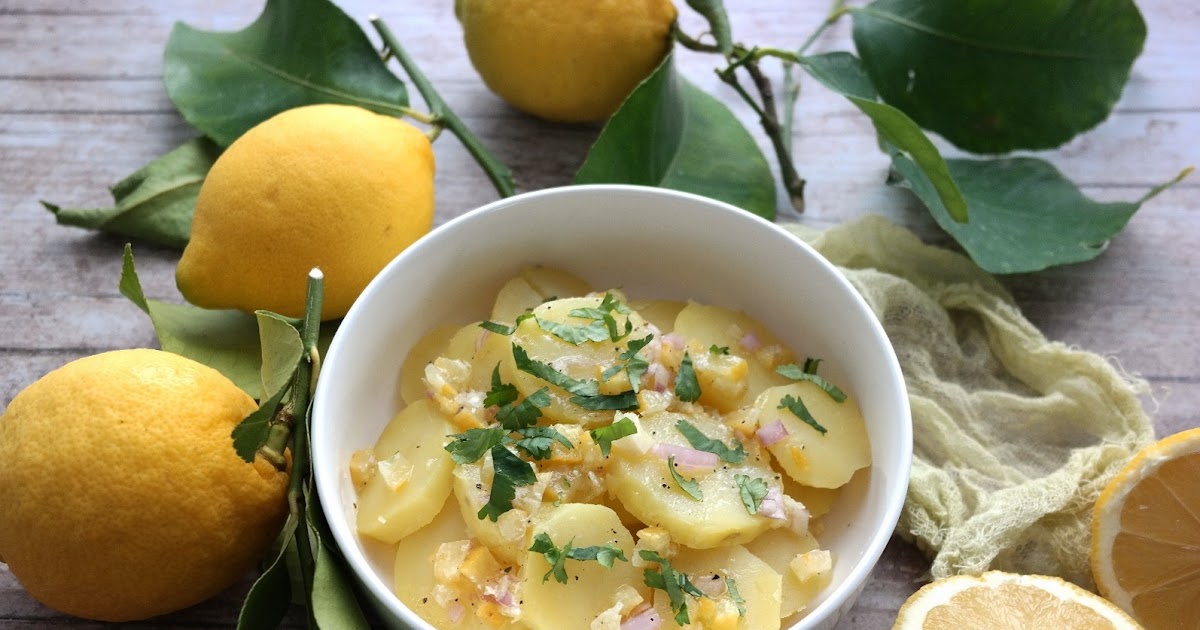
1146,534
1008,601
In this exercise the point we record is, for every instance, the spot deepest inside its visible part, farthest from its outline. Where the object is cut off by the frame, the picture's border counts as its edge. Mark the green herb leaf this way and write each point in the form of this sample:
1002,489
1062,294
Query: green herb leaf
687,388
796,373
670,133
586,393
675,584
630,361
811,364
702,442
556,557
1002,75
899,135
470,445
298,52
501,393
690,486
1025,216
753,492
155,203
595,331
796,406
731,586
605,436
715,349
510,472
525,413
502,329
538,442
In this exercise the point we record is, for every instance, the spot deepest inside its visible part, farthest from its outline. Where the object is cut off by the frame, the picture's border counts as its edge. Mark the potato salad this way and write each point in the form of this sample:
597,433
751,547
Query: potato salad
580,460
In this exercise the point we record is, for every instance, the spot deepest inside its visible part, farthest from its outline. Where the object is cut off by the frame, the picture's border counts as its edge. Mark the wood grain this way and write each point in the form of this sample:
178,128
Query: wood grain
82,105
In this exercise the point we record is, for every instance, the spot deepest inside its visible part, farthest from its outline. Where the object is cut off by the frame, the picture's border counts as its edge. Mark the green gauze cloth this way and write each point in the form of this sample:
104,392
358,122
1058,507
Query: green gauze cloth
1014,436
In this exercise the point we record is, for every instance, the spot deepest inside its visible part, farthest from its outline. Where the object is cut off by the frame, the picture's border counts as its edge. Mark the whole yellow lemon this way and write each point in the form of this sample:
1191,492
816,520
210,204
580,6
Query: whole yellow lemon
122,495
566,61
330,186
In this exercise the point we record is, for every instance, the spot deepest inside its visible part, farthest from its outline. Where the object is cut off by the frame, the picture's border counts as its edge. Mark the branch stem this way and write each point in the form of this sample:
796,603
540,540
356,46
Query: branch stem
499,174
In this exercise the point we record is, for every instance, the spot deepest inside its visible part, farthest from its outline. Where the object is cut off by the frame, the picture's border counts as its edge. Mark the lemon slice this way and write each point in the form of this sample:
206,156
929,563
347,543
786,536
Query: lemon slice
1006,601
1146,534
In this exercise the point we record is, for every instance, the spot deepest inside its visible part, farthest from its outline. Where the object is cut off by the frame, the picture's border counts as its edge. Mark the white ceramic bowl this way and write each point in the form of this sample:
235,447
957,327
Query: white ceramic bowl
652,243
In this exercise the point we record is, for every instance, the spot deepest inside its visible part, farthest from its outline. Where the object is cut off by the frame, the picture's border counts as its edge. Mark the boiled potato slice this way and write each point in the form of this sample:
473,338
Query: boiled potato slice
414,580
645,486
591,588
818,501
812,458
429,347
660,313
721,327
780,548
585,361
391,507
483,349
533,286
757,583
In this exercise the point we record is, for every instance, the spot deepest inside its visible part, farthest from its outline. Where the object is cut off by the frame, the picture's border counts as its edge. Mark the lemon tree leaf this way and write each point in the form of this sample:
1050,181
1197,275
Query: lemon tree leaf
224,340
298,52
1025,216
899,135
670,133
718,22
992,76
282,349
156,202
267,601
332,603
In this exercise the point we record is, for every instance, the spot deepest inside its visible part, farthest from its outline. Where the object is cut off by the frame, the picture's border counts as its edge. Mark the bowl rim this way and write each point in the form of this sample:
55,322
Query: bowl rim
833,606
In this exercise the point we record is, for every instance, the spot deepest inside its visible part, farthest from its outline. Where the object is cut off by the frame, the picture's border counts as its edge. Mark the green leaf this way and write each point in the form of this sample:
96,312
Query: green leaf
718,22
298,52
687,387
670,133
225,340
798,409
595,331
510,471
1025,216
899,135
282,350
752,491
557,556
525,413
251,432
796,373
537,442
332,601
674,583
738,600
469,446
992,76
605,436
267,601
586,393
702,442
155,203
689,486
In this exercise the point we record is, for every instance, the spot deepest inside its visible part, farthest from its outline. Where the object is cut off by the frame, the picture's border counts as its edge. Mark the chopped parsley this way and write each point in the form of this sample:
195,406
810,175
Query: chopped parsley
702,442
809,373
690,486
575,335
630,361
603,316
731,586
557,556
675,584
502,329
715,349
510,472
798,409
687,388
537,442
468,447
586,394
605,436
753,492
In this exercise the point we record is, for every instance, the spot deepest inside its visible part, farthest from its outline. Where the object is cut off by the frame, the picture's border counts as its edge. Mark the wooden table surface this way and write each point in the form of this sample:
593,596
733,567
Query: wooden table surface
82,105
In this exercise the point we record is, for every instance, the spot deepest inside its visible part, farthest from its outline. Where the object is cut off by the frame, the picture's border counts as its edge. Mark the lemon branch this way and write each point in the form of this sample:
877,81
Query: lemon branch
443,116
777,128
